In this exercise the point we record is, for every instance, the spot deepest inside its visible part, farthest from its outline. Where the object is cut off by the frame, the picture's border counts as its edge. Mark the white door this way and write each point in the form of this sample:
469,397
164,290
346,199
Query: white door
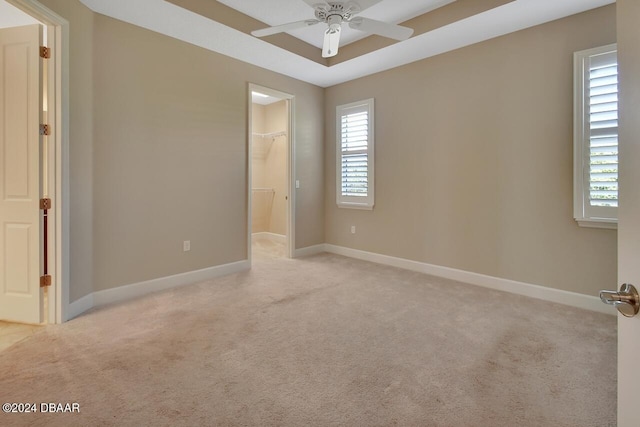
628,16
20,218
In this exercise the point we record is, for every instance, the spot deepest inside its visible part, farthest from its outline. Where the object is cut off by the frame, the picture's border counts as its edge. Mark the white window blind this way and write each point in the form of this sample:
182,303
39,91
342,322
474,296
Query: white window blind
354,145
596,137
355,155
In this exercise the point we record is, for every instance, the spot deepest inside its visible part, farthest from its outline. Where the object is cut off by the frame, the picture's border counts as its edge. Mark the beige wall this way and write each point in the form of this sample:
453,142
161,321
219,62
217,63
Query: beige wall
473,166
474,160
158,146
269,168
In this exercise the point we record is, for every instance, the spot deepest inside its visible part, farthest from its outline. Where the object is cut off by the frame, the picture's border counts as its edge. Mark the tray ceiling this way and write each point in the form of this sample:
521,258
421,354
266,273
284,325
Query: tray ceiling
224,29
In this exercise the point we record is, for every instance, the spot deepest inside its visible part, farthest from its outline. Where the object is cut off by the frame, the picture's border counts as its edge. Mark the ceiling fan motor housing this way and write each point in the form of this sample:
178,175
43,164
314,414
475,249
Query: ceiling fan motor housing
337,12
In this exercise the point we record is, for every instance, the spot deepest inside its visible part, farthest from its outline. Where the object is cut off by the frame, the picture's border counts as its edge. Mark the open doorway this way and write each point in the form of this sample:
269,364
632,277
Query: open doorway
271,206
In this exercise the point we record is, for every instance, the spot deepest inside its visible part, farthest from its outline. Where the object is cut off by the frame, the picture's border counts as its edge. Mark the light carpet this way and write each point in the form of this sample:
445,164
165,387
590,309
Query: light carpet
321,341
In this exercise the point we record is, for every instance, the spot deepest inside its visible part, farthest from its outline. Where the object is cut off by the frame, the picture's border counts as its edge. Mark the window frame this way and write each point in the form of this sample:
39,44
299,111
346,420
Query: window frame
585,214
367,202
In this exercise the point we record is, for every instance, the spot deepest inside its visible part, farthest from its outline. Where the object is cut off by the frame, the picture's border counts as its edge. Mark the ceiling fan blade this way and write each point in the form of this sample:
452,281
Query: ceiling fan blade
364,4
384,29
284,27
331,41
313,3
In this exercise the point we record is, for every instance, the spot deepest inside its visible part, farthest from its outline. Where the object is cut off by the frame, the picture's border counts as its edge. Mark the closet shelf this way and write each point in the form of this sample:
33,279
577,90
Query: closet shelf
272,135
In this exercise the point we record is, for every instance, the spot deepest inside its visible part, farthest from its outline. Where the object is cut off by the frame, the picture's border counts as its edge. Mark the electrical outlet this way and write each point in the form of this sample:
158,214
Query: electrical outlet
297,183
186,246
353,229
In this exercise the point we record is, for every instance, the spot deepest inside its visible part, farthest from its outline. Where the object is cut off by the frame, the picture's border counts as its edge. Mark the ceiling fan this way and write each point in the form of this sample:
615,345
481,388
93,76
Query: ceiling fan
334,14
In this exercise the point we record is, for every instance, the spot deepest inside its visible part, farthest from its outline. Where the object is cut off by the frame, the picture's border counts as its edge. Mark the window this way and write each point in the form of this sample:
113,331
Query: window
355,155
596,137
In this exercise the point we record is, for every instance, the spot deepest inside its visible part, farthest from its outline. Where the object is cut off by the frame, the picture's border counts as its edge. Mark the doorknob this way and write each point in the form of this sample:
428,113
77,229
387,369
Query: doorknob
625,300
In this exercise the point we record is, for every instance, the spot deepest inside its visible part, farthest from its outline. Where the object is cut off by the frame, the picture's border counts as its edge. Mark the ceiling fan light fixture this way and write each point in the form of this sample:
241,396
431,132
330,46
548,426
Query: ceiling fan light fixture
331,41
334,28
334,21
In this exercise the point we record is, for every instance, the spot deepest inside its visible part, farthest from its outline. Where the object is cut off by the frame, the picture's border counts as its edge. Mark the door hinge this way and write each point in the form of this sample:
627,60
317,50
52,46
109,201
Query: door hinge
45,52
45,281
45,204
45,130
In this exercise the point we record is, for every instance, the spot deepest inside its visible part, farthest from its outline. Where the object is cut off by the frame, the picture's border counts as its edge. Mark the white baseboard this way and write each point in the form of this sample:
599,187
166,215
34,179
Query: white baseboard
134,290
534,291
278,238
79,306
310,250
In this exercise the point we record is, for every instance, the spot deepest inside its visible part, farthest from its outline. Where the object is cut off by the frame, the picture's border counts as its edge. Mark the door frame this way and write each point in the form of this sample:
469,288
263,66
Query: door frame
57,156
291,173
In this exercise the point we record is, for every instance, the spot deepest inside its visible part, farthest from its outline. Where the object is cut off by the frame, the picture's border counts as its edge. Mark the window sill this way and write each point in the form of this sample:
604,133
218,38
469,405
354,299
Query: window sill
355,206
610,224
